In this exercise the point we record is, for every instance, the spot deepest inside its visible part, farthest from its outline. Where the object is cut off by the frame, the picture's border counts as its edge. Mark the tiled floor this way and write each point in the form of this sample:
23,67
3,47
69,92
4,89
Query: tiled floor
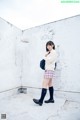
21,107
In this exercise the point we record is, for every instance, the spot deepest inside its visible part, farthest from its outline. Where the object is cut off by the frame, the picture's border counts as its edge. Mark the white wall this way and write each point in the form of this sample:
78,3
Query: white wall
21,52
9,62
66,36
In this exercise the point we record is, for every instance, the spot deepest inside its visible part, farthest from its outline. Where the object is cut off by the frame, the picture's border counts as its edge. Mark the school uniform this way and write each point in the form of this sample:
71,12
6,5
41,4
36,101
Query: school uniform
50,60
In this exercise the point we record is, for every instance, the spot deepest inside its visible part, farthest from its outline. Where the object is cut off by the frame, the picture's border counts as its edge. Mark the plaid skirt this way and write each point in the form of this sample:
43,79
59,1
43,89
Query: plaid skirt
49,74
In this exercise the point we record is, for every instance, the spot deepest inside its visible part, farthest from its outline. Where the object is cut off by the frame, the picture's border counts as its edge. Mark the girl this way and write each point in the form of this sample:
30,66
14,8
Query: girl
50,59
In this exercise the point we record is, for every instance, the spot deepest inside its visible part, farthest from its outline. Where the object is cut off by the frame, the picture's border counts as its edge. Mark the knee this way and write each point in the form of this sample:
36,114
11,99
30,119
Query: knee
50,83
45,83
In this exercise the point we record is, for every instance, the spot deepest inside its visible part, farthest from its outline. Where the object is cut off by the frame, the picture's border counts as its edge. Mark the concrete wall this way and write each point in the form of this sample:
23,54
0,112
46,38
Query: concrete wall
66,36
21,52
10,69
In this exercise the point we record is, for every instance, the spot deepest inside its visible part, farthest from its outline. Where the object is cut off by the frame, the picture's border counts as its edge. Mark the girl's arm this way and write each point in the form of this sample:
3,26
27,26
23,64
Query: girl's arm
52,57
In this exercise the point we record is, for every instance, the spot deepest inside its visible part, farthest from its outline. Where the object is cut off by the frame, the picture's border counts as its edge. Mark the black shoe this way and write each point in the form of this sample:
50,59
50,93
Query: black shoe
37,102
49,101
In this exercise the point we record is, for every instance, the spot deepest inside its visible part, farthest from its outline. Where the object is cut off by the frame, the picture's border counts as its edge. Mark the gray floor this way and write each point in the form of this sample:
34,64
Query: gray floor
21,107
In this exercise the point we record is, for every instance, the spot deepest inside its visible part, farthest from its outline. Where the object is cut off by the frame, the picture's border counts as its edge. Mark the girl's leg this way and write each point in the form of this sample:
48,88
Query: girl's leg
43,93
50,83
45,83
51,92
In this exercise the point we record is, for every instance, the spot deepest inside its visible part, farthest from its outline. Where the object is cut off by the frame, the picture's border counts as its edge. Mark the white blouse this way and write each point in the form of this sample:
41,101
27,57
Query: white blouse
50,60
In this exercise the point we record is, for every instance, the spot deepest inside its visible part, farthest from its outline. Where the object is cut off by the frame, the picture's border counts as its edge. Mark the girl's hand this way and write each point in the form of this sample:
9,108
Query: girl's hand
47,54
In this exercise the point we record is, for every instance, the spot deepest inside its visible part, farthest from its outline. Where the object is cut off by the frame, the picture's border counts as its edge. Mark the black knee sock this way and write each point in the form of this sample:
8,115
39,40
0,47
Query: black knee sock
43,93
51,91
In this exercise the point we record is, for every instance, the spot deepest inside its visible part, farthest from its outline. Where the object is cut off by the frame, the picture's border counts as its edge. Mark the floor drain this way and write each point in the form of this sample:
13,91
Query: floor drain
22,90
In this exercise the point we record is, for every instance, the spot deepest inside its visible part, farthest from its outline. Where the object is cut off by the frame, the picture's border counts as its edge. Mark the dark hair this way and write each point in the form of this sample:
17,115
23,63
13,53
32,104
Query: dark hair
50,43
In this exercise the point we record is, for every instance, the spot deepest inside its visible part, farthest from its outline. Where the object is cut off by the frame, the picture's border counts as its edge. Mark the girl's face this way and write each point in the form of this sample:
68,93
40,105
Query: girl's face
49,47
